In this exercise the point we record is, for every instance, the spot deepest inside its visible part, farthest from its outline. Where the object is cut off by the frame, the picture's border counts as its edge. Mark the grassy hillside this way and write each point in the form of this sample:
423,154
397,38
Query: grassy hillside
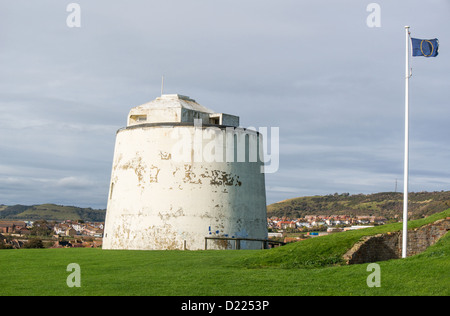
50,212
386,204
327,250
309,267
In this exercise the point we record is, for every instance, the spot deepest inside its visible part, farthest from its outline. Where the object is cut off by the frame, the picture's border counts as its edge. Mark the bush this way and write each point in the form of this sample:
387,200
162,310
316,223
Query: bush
5,246
34,243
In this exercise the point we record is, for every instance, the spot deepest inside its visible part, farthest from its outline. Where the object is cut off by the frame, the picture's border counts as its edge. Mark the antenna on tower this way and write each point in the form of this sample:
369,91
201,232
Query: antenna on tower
395,185
162,85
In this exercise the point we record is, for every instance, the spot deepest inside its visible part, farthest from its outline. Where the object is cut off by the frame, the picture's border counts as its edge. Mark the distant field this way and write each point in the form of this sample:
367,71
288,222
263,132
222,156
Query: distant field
310,267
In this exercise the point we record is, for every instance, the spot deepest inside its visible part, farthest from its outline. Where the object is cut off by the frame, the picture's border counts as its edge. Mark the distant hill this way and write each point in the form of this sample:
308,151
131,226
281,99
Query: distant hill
50,212
385,204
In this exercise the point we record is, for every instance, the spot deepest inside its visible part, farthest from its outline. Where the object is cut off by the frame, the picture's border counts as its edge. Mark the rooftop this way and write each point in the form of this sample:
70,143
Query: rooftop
173,101
177,108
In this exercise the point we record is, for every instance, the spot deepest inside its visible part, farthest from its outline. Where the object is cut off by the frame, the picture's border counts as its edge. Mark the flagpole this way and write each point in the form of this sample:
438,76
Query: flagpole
406,165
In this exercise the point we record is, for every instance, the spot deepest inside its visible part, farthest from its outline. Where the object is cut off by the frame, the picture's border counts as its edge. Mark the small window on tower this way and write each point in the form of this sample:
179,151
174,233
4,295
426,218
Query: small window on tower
138,118
214,120
111,193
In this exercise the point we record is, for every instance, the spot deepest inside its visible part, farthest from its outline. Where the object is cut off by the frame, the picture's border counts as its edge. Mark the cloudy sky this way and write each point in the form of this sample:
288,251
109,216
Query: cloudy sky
333,85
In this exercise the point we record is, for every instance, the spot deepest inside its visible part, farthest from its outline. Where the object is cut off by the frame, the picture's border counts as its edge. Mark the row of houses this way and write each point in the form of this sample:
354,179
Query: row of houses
13,227
69,228
66,228
315,221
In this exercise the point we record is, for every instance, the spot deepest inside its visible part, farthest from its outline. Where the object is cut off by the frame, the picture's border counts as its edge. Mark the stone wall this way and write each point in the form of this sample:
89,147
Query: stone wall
389,246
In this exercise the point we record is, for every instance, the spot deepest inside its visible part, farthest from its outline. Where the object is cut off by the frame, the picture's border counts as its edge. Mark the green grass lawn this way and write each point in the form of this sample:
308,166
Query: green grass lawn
311,267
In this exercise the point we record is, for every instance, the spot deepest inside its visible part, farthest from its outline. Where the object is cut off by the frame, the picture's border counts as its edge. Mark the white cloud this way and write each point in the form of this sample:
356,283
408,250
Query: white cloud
74,183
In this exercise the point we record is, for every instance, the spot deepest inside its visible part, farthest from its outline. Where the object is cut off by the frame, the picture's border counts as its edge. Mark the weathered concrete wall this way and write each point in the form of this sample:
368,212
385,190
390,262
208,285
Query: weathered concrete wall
389,246
161,198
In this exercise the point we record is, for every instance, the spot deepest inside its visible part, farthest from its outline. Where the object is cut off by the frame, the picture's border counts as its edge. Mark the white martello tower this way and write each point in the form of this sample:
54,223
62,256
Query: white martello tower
182,173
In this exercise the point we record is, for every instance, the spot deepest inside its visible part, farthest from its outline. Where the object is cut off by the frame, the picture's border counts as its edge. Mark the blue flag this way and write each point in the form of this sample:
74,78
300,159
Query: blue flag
425,48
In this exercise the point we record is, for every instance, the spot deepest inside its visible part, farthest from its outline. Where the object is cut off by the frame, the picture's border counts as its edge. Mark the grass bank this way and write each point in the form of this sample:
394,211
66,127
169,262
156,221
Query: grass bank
326,250
305,268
